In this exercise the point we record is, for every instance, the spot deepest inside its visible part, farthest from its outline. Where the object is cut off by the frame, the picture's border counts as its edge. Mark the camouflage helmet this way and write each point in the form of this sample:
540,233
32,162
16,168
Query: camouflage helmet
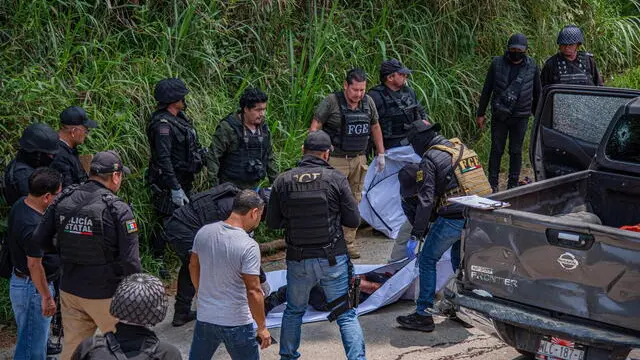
168,91
39,138
140,299
570,35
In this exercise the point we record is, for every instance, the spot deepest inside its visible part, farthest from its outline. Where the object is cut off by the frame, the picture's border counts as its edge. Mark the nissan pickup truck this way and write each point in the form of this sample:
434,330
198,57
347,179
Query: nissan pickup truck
553,275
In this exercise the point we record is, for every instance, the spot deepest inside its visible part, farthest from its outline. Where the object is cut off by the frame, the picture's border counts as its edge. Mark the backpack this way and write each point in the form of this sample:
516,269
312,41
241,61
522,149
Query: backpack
465,165
107,347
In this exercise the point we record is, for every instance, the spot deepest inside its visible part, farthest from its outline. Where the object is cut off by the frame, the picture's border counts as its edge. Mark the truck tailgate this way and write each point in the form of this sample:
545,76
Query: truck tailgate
582,270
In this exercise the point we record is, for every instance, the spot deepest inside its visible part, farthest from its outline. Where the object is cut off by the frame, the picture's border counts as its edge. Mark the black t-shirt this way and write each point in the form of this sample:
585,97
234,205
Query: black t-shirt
23,220
68,164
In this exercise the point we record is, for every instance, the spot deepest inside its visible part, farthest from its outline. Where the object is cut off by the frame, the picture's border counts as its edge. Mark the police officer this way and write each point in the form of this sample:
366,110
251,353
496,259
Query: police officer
74,129
98,246
396,103
436,179
38,146
570,65
140,302
241,150
513,85
176,155
350,117
312,202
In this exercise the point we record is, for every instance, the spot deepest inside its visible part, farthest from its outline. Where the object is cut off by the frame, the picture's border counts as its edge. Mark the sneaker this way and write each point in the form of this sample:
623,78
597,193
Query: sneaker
416,321
180,319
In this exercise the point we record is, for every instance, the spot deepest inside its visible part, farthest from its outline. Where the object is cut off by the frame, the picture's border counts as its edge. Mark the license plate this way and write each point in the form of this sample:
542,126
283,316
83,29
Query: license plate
558,349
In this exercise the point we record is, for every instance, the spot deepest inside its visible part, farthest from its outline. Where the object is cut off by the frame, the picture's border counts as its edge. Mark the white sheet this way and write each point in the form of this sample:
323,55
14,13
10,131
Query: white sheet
381,206
402,284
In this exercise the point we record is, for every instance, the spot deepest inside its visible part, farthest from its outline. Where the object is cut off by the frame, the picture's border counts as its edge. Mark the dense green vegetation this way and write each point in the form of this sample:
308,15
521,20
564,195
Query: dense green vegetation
107,56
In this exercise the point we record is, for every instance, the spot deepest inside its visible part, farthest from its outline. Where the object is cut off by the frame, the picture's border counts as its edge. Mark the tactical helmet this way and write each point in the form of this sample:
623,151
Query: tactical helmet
39,138
140,299
170,90
570,35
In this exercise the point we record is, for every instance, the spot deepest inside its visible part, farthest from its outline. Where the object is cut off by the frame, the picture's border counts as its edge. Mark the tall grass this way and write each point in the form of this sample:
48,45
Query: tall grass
55,53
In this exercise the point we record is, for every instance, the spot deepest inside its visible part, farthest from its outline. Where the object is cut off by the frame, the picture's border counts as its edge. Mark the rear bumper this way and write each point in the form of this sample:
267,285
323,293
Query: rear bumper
491,316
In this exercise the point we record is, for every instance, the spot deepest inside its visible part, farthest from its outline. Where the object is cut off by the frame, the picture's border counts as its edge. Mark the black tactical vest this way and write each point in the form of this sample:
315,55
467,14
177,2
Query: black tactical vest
356,126
107,347
81,235
248,163
205,205
12,183
567,72
188,147
398,111
310,224
519,97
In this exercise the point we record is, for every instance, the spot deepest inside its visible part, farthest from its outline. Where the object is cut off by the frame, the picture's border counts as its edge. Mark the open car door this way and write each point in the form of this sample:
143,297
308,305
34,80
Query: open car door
569,124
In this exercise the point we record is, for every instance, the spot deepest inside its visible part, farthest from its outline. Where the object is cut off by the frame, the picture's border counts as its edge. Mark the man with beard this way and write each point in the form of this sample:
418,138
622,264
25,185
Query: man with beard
241,150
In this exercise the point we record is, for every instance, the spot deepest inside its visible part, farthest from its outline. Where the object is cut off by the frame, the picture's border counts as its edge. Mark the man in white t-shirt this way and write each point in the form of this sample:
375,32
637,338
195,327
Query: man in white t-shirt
225,270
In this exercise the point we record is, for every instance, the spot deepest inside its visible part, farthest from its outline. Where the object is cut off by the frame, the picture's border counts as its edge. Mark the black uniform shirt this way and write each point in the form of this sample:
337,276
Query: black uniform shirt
68,164
96,281
16,180
23,220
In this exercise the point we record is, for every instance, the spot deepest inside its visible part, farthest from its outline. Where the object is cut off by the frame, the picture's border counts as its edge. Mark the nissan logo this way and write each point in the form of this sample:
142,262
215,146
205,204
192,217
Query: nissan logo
568,261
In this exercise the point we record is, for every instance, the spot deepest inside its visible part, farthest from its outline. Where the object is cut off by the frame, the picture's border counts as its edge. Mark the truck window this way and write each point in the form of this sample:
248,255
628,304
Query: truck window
624,144
585,117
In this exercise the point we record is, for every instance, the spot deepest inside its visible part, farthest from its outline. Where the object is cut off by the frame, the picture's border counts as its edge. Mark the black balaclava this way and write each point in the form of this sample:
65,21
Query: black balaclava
421,140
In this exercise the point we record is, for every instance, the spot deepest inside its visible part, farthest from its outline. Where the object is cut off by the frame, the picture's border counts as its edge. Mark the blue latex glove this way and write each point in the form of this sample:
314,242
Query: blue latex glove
179,198
412,244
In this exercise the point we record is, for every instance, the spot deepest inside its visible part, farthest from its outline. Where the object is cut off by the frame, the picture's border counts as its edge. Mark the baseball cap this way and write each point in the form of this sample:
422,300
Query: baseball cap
108,161
75,115
518,41
318,141
391,66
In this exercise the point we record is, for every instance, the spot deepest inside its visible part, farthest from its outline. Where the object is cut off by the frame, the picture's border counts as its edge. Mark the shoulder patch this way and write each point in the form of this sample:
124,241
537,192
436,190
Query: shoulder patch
419,176
131,226
164,129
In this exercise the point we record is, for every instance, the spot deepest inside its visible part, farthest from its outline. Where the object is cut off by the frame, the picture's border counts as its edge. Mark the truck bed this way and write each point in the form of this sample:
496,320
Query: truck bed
531,254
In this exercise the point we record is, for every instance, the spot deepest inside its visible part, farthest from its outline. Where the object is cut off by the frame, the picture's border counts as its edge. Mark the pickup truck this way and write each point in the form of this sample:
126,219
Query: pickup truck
540,275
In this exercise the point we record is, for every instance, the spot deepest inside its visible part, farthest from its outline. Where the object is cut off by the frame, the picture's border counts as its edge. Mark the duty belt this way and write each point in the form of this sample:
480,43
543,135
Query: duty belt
327,252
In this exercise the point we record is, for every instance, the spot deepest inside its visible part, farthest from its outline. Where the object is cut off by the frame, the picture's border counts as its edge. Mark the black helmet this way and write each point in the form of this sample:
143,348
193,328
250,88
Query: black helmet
570,35
170,90
39,138
140,299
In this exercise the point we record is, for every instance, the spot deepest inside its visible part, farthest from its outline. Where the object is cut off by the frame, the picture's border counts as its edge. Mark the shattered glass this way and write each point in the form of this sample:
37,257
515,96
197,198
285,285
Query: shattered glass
585,117
624,144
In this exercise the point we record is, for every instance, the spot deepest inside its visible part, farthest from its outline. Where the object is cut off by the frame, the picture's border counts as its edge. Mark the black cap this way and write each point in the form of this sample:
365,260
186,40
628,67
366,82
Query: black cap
318,141
391,66
419,126
107,162
75,115
518,41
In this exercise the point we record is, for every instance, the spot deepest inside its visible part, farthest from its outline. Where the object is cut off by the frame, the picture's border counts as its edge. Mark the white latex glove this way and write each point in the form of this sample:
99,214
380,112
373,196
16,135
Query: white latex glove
179,198
380,163
266,289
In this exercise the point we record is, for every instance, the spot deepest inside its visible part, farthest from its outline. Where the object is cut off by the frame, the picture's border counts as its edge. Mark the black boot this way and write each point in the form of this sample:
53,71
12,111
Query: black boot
416,321
181,317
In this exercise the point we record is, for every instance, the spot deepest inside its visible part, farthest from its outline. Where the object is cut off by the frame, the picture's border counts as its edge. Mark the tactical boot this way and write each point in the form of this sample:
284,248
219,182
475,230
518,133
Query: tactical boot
181,318
416,321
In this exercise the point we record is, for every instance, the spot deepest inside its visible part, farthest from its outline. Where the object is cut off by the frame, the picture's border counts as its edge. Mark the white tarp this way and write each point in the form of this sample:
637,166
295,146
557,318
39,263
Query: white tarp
381,206
402,285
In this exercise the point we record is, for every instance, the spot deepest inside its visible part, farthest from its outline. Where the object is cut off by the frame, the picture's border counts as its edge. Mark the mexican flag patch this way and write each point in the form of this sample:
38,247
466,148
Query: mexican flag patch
131,226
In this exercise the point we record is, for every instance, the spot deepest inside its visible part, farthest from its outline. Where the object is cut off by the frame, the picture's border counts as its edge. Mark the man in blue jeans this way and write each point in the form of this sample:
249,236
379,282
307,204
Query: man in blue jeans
447,169
225,271
312,202
35,266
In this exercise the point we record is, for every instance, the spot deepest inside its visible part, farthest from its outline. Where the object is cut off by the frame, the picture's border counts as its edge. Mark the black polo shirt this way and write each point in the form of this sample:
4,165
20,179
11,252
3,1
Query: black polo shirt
67,162
23,220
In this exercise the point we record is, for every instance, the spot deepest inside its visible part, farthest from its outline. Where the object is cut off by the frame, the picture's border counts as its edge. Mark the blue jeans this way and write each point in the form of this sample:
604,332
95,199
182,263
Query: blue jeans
334,280
443,234
240,341
33,327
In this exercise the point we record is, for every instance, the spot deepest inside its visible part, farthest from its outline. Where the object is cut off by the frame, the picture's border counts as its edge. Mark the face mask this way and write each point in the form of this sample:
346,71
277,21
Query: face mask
515,56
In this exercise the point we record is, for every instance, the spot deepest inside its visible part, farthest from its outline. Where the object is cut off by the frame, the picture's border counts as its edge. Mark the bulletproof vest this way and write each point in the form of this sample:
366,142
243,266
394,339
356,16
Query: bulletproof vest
12,183
309,222
188,147
107,347
205,206
567,72
81,235
246,164
398,111
356,126
516,96
466,167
